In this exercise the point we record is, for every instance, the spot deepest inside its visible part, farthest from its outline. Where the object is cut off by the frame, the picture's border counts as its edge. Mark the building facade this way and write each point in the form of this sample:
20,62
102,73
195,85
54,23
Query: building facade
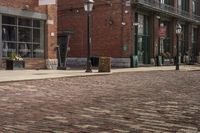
28,30
128,29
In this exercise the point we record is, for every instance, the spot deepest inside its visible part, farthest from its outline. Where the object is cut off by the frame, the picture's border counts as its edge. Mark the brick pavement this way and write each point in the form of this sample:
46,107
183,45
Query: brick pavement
119,103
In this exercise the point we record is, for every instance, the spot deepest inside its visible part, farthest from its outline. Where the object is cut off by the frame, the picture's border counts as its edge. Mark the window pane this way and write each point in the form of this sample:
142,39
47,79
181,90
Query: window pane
9,20
8,49
24,22
38,51
36,35
24,50
141,24
25,34
36,23
9,33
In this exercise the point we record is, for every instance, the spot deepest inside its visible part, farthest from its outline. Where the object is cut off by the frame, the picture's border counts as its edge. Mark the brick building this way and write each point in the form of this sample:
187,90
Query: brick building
122,29
29,30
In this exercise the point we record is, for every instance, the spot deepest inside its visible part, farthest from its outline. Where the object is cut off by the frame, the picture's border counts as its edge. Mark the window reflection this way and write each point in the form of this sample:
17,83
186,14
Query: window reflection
8,49
38,52
9,20
9,33
25,34
24,22
24,50
36,35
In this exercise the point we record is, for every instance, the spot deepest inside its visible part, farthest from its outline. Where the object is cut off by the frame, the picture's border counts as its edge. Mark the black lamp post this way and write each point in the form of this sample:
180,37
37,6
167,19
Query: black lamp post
88,6
178,33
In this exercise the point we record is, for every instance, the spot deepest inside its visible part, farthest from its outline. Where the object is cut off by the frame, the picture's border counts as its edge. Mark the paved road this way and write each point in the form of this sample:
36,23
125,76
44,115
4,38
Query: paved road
119,103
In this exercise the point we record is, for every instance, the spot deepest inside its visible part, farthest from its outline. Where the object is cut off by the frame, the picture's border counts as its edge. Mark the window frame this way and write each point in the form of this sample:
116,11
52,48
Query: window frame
17,42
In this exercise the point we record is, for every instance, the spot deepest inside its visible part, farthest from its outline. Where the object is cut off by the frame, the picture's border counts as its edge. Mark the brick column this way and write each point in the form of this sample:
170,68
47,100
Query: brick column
51,37
190,7
174,3
173,36
155,36
133,29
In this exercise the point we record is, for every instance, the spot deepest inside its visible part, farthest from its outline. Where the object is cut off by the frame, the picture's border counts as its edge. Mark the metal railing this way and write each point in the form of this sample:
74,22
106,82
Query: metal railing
156,5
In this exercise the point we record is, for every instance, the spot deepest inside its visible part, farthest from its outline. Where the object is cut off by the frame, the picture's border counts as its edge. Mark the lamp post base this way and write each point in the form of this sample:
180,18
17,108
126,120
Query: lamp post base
89,68
177,67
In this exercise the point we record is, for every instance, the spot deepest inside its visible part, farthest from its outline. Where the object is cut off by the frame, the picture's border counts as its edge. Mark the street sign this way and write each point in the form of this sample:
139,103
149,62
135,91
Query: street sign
162,31
47,2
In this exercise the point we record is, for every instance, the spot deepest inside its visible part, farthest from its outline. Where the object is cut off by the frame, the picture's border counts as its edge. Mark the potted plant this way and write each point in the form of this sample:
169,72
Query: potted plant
15,62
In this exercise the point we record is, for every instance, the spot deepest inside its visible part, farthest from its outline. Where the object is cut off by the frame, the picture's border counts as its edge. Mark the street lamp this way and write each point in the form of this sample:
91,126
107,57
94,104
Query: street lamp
178,33
88,6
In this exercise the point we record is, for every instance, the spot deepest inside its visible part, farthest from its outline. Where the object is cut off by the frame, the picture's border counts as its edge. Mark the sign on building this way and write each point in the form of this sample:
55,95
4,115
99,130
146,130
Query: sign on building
162,32
47,2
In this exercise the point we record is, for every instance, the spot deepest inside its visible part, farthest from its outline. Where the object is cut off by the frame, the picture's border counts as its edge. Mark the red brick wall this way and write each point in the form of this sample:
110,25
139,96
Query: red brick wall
33,4
51,29
109,36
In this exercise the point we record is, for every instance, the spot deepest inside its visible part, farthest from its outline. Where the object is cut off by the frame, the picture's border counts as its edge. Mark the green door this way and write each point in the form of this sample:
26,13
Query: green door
143,49
142,39
140,50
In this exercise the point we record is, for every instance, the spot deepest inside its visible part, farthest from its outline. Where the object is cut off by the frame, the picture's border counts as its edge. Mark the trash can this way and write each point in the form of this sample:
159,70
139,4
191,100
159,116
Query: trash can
134,61
159,60
104,64
95,61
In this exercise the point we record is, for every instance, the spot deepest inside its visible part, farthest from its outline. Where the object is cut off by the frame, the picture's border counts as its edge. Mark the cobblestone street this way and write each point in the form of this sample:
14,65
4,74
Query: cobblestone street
137,102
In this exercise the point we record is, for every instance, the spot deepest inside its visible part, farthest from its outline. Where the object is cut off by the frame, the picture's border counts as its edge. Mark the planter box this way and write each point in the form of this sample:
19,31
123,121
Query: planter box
166,62
14,65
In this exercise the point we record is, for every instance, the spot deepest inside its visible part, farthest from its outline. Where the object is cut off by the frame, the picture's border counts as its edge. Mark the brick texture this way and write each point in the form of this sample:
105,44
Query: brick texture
109,36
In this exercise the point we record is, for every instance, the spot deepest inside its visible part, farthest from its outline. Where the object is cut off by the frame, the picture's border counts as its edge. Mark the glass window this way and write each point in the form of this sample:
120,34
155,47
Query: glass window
24,38
8,49
24,22
9,20
194,6
25,50
141,24
36,23
9,33
182,4
38,51
25,34
36,35
165,2
194,41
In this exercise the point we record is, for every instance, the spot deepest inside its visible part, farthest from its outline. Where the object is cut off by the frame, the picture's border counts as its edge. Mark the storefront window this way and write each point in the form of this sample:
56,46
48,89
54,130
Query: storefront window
194,42
182,4
184,39
165,2
22,36
194,7
165,46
